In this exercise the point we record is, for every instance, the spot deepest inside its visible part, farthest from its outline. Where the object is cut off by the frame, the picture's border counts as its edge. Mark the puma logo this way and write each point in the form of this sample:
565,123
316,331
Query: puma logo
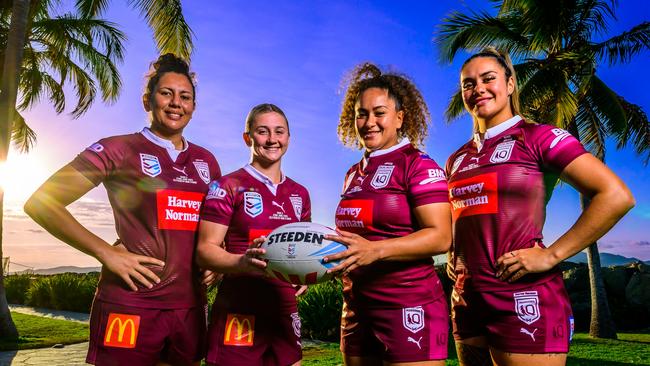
278,205
180,170
476,158
531,334
412,340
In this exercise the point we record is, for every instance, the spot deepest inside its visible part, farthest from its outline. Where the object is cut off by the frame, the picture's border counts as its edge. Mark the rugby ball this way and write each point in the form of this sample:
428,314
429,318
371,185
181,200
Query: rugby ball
294,252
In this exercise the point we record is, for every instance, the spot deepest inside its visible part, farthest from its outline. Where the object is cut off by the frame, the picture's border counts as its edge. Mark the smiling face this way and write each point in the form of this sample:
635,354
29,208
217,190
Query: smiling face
377,120
486,91
268,138
170,104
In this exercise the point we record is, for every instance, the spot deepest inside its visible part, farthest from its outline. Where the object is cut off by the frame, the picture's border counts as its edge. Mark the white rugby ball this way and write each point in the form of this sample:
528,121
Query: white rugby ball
294,252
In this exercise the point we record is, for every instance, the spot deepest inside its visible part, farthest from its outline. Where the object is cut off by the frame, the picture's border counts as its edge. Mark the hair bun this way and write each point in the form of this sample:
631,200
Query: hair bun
170,61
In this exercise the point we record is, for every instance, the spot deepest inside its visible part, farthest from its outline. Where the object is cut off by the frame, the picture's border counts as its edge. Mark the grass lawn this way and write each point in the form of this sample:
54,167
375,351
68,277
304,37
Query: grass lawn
37,332
629,349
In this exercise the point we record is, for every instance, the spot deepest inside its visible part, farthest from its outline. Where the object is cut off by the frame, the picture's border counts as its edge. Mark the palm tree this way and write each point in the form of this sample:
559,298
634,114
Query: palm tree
165,18
557,76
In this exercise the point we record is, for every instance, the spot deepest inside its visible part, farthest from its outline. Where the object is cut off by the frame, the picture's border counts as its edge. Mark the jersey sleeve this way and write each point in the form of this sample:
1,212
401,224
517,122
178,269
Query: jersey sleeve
219,202
426,181
98,161
554,147
306,209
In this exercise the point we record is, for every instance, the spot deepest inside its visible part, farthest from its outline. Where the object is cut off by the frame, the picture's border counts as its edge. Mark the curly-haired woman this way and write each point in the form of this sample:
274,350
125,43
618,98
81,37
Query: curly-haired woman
393,216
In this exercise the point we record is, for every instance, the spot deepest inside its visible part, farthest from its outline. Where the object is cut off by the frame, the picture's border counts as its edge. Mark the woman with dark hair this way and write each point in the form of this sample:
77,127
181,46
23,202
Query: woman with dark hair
509,305
150,305
393,216
254,318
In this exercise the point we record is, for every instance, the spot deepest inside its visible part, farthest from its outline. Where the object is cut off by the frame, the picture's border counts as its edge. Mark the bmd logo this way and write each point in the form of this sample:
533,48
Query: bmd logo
121,330
240,330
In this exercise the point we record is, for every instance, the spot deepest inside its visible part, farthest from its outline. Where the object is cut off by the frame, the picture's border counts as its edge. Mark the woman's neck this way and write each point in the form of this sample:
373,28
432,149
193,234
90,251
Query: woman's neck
175,138
272,170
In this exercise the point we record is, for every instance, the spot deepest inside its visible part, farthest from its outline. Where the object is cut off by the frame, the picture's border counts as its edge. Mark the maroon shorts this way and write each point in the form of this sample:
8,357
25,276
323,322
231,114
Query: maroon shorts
127,335
536,319
409,334
236,339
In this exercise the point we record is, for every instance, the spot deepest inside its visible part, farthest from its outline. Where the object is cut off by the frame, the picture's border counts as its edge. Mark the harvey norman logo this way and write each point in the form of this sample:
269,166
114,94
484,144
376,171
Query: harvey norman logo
121,330
354,214
240,330
178,210
474,196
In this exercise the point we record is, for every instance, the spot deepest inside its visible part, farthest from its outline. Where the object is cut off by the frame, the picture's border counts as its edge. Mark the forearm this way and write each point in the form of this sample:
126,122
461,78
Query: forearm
423,243
215,258
604,211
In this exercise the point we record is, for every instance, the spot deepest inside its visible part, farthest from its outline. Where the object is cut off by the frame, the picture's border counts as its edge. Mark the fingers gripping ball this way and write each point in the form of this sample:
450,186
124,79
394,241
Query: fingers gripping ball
294,252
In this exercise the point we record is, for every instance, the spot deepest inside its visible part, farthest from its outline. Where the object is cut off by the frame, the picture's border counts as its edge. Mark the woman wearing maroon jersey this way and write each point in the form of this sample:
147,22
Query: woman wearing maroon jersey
509,305
393,216
149,305
254,318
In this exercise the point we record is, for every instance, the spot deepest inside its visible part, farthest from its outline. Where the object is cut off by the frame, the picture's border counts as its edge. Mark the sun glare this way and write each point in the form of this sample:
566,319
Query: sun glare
20,175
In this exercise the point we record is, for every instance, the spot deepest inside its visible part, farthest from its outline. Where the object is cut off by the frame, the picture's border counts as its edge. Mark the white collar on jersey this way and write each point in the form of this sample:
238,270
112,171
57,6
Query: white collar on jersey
403,142
165,144
268,182
494,131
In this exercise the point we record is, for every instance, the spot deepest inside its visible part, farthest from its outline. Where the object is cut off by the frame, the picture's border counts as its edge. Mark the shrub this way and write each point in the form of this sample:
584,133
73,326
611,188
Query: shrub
16,287
66,291
320,311
71,291
38,294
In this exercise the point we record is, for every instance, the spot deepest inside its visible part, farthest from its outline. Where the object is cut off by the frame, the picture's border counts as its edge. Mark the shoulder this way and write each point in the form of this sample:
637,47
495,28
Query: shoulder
295,185
417,157
200,151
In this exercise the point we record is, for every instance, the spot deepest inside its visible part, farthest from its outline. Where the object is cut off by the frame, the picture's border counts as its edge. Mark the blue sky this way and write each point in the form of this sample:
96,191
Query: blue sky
295,54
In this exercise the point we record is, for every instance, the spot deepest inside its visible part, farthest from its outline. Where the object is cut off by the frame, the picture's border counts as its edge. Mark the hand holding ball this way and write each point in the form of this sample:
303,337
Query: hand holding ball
295,252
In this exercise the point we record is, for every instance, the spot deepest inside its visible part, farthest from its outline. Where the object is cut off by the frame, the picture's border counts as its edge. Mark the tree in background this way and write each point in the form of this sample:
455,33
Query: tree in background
42,54
558,81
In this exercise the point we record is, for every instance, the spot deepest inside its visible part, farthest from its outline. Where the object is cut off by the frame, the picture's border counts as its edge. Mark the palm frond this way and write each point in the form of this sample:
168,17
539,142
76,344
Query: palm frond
455,108
623,47
590,129
171,31
22,136
546,97
91,8
592,18
606,102
477,30
637,130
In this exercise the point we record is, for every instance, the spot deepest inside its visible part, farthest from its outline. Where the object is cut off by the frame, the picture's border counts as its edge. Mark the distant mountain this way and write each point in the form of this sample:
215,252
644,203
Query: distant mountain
62,269
606,259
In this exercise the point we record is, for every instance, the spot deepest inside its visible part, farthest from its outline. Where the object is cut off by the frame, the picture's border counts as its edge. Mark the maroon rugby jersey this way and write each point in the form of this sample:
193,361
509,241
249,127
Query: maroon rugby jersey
251,205
378,199
156,204
498,195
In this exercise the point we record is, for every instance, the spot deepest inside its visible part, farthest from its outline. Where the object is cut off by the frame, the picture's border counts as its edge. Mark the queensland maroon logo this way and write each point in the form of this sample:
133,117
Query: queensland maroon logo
413,318
527,306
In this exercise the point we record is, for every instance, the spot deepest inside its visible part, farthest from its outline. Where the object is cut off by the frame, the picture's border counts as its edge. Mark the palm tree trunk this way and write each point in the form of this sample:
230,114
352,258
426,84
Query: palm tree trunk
9,92
601,325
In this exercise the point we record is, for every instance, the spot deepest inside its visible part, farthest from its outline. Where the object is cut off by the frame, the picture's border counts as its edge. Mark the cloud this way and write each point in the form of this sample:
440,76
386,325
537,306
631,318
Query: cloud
642,243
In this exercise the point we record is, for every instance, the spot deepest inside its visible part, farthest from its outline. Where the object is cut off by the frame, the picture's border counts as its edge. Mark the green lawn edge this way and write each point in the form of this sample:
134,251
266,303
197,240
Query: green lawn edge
40,332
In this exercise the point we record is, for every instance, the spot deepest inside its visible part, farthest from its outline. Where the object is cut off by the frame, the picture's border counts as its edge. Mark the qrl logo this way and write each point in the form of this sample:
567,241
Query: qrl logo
240,330
121,330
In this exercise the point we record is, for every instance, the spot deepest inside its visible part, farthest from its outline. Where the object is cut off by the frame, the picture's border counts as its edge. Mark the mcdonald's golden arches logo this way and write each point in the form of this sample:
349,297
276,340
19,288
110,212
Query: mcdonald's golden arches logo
121,330
240,330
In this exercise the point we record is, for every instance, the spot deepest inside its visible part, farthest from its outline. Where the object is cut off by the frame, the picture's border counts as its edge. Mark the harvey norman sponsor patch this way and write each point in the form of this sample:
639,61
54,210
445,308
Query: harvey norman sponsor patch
178,210
354,215
474,196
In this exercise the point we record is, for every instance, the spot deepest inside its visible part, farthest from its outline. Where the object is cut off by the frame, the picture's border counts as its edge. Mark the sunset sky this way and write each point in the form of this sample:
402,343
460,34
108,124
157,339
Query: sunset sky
294,54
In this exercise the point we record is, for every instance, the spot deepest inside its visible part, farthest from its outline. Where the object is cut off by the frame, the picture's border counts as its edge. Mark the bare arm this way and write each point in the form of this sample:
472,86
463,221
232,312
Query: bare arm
433,238
47,206
211,255
610,201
